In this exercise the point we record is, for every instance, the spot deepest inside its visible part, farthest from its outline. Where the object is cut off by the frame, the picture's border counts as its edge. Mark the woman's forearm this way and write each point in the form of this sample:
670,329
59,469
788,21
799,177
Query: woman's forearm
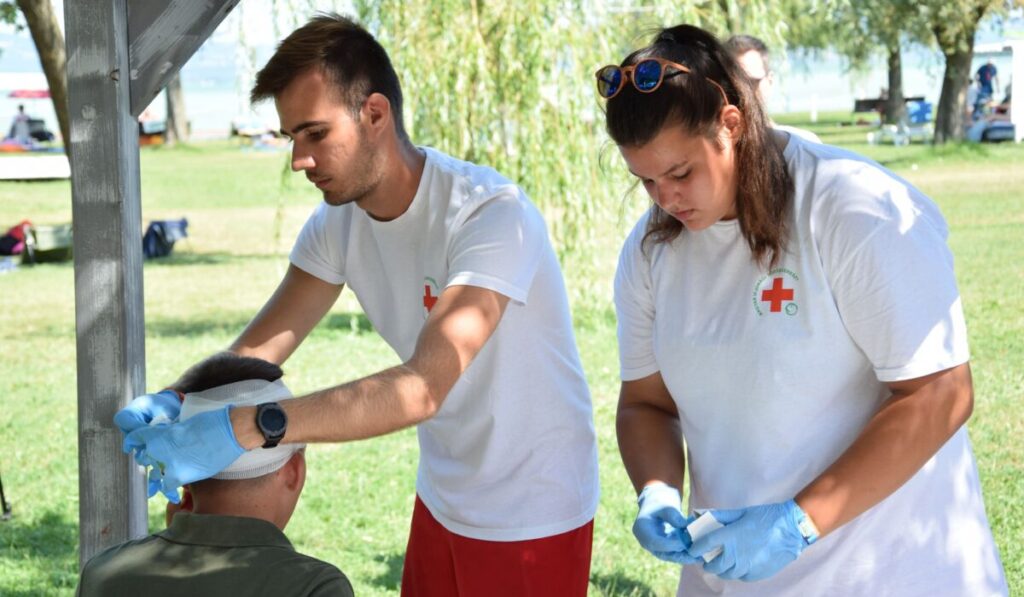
903,435
650,443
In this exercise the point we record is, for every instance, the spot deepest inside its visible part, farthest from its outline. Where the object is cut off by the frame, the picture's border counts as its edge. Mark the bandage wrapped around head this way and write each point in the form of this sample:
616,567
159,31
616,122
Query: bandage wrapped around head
251,392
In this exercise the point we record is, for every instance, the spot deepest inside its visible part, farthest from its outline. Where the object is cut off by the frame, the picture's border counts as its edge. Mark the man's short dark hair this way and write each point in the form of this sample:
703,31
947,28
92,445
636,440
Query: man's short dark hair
354,63
224,368
741,44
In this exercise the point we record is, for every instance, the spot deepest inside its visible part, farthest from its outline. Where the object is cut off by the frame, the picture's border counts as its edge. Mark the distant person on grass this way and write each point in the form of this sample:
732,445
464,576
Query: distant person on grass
453,266
987,76
231,543
20,127
752,54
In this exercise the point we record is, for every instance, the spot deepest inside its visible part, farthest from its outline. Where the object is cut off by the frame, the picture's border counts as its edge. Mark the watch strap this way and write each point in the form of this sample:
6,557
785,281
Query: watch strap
270,438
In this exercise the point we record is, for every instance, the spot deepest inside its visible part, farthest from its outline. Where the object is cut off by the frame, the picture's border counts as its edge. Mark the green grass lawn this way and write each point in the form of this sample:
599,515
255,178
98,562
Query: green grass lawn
243,215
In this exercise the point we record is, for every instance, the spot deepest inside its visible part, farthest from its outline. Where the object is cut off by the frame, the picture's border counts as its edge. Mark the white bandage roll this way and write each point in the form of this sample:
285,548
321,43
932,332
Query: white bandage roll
702,526
251,392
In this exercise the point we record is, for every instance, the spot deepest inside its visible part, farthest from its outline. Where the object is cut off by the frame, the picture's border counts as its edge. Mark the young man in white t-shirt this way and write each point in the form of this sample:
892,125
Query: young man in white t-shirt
453,266
753,56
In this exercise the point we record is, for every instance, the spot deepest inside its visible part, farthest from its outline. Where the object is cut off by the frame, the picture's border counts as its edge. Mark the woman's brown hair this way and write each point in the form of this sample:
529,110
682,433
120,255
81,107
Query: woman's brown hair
764,187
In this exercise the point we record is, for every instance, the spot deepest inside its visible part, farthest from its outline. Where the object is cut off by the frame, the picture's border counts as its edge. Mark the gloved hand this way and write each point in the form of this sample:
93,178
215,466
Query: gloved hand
756,542
144,409
154,484
185,452
660,524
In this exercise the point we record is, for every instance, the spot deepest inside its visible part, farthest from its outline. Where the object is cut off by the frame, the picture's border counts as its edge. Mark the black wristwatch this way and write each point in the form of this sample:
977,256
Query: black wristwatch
272,422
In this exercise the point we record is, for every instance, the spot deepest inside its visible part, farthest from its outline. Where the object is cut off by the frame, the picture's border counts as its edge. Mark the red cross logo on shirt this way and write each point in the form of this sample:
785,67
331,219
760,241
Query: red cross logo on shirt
776,295
428,299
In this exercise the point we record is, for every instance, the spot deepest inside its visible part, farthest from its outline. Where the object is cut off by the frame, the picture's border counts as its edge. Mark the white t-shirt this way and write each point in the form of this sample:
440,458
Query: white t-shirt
799,132
511,455
776,373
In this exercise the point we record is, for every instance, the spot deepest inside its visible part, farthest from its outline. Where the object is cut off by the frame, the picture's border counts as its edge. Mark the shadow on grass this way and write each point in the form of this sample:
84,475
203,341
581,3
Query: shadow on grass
49,543
186,257
357,323
391,578
953,151
619,585
66,264
179,147
841,133
233,323
226,324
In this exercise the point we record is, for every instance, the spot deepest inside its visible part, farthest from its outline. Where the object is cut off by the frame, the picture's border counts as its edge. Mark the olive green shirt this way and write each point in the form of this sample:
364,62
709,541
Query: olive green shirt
210,555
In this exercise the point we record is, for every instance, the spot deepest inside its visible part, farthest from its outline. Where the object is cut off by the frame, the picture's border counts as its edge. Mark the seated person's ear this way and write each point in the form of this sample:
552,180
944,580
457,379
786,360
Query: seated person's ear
294,471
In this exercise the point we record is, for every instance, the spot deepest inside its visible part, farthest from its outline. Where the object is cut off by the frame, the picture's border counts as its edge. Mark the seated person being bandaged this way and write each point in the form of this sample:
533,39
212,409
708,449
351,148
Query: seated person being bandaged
232,540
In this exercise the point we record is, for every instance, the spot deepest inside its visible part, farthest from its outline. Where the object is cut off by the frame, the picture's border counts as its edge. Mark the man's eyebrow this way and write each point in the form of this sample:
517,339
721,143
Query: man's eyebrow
301,127
673,167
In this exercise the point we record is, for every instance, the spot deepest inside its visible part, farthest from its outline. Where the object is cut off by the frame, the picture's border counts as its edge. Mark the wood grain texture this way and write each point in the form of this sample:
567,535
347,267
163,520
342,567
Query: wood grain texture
106,210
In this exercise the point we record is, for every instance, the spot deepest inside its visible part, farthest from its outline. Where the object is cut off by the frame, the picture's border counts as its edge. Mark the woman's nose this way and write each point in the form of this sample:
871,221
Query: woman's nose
665,196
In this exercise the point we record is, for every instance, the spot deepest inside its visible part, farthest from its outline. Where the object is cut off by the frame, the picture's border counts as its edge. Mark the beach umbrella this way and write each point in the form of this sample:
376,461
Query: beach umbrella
30,93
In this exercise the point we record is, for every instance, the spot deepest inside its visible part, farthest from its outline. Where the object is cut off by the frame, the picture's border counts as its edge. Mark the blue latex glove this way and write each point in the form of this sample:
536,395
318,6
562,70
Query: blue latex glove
660,525
141,411
756,542
185,452
154,484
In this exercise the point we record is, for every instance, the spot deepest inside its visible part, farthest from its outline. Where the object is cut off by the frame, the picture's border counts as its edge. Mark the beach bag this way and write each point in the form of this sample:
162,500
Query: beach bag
160,236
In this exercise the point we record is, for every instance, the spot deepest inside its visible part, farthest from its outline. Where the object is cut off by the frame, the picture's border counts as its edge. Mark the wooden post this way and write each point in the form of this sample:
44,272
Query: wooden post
106,209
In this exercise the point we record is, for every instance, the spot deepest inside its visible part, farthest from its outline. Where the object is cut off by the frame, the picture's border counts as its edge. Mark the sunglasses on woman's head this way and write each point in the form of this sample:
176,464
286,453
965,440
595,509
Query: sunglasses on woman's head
646,75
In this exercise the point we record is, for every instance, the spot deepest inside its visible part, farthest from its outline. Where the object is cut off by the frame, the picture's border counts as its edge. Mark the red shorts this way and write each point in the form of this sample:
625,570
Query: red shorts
442,564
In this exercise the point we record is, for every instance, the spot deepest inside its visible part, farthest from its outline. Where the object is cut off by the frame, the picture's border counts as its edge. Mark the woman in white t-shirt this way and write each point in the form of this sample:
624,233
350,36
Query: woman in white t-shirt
790,309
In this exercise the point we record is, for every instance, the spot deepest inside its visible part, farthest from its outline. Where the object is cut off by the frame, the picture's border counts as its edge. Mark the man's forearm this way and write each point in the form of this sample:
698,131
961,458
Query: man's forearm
381,403
459,325
299,303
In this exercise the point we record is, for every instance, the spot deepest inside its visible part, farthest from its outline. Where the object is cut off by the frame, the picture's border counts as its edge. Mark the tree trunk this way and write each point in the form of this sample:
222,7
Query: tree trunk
49,40
956,40
895,108
949,119
177,118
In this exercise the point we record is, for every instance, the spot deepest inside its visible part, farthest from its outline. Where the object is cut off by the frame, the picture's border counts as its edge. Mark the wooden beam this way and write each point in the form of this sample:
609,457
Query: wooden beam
163,36
106,209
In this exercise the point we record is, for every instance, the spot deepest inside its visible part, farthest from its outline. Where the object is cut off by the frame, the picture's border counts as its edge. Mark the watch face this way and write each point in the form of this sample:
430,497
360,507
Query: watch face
272,420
